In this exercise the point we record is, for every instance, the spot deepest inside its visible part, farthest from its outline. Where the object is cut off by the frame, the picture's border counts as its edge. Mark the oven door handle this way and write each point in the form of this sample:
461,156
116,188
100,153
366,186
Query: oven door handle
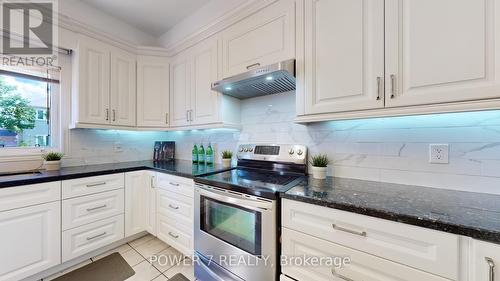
234,199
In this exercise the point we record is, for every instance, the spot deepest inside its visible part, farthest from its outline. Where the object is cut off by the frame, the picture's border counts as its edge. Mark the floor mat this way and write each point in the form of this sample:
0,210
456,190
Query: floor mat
110,268
178,277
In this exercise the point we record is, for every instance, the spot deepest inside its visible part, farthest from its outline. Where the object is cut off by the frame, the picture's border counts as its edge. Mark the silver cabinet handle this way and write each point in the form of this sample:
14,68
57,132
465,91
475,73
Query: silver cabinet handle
173,207
173,183
173,235
107,114
96,208
335,274
166,118
96,236
379,87
191,115
114,115
253,65
360,233
96,184
393,86
491,264
152,182
187,115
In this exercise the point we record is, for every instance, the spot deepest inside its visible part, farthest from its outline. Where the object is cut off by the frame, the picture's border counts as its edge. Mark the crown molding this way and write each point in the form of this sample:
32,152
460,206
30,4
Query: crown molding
218,25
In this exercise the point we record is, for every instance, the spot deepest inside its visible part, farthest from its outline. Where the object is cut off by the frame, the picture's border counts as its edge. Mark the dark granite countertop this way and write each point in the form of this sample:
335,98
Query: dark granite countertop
176,167
470,214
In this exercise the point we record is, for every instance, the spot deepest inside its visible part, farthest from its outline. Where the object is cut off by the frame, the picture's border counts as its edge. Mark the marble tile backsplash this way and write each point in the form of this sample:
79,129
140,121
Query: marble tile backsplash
380,149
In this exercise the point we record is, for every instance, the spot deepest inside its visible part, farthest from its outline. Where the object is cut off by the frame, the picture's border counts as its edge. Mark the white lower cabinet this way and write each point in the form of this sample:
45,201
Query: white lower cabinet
361,266
485,261
90,237
30,240
379,249
175,212
136,202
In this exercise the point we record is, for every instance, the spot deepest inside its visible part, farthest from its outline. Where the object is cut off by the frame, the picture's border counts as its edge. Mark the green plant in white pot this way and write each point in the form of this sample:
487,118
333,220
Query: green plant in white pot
319,163
227,156
52,160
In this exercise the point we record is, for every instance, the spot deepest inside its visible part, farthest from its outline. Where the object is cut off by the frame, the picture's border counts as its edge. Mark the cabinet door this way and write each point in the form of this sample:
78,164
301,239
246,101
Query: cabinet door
263,38
180,90
441,51
136,202
152,92
30,240
344,55
486,261
204,101
151,204
123,88
93,81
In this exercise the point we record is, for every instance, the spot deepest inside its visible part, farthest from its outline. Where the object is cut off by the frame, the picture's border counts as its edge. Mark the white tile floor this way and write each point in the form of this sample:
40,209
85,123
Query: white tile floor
137,254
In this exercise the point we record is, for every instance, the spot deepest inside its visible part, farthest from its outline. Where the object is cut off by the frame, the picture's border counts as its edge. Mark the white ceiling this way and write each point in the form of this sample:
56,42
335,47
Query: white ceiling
152,16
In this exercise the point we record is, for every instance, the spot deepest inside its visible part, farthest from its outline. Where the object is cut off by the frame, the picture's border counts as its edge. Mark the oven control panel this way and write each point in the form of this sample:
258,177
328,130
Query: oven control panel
291,153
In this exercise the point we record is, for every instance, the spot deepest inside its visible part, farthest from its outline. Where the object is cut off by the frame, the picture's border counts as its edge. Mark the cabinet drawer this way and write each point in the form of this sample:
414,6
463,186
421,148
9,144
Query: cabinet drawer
179,185
177,235
485,259
362,266
27,195
176,206
433,251
87,238
91,185
86,209
263,38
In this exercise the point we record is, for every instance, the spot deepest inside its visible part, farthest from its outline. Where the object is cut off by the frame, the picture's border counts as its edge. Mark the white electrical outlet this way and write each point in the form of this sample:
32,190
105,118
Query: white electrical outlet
439,154
118,147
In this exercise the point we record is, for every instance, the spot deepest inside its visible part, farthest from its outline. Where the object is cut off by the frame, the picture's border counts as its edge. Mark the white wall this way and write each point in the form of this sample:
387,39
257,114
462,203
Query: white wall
380,149
86,14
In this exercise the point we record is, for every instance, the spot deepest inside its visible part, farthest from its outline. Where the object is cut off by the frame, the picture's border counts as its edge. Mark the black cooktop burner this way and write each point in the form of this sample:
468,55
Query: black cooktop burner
251,181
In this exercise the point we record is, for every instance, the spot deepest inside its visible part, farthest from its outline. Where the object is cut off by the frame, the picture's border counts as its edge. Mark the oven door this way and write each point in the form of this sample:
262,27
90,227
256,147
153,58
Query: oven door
237,231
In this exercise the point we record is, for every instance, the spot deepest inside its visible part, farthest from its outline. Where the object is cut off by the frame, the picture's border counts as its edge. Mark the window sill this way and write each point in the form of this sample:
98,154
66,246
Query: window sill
12,154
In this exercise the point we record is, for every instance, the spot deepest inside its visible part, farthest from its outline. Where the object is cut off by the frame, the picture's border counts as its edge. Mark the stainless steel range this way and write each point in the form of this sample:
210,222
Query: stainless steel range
237,213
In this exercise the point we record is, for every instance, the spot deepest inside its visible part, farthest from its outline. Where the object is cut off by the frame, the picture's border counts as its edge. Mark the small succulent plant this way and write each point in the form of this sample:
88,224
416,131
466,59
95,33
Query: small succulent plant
227,154
320,160
52,156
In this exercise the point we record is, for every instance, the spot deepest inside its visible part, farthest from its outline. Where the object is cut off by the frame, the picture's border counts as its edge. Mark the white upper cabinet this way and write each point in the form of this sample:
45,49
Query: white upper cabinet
93,80
123,88
180,83
204,101
193,103
265,37
343,55
153,92
441,51
105,85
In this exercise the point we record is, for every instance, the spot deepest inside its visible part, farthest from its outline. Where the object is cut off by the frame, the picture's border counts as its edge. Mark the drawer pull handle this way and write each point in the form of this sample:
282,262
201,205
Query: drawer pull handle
96,184
360,233
96,208
393,86
173,183
173,207
173,235
335,274
491,264
96,236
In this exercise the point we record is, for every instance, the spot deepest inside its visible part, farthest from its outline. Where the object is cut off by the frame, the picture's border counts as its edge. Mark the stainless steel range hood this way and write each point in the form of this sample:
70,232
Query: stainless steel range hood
260,81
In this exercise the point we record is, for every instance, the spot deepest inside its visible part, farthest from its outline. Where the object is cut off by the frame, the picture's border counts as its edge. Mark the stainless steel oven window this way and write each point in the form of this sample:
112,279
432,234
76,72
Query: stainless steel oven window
232,224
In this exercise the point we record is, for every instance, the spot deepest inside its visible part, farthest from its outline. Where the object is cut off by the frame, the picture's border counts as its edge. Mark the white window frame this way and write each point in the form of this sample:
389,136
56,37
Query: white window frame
35,153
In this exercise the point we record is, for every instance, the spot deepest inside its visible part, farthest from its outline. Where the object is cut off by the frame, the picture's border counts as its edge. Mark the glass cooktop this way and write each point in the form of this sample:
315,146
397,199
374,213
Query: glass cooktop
252,181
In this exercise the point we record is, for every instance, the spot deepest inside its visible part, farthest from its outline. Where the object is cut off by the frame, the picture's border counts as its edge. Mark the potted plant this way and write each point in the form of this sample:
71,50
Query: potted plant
52,160
319,163
227,155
